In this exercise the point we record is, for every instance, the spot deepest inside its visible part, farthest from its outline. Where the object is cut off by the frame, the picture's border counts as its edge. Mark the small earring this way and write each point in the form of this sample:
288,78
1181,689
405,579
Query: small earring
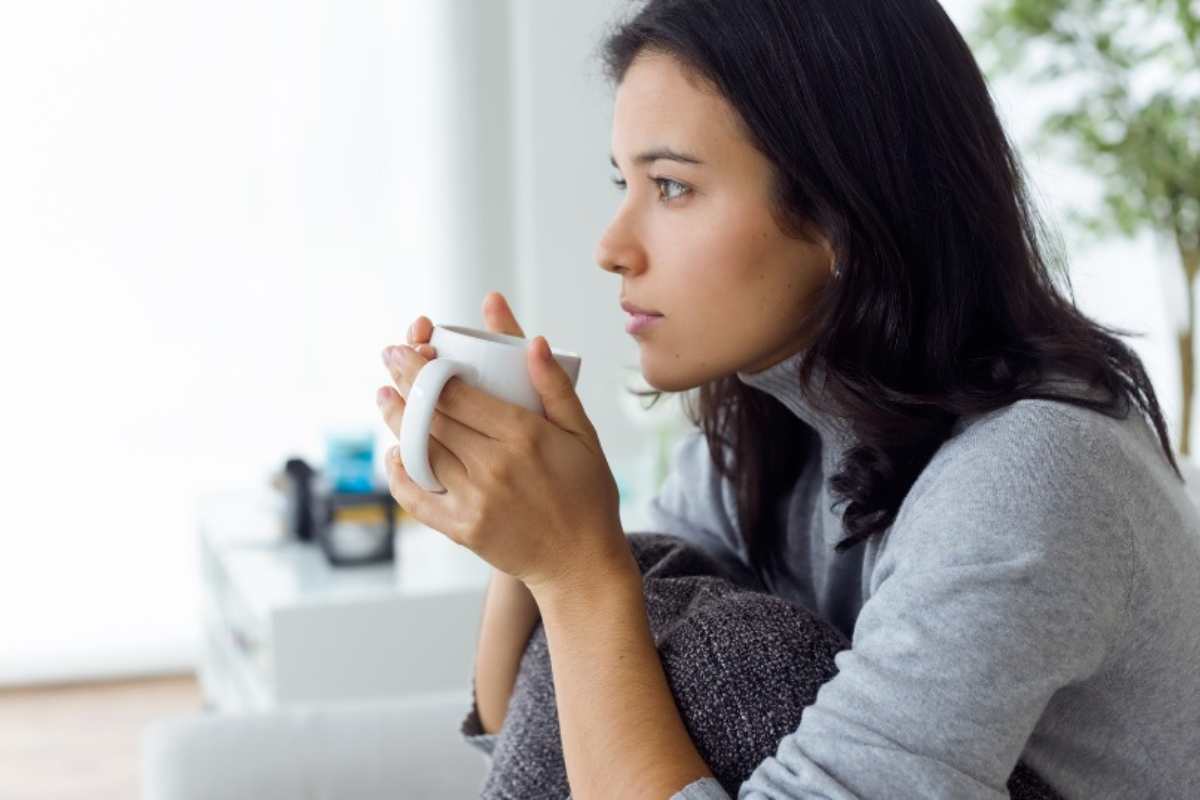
837,270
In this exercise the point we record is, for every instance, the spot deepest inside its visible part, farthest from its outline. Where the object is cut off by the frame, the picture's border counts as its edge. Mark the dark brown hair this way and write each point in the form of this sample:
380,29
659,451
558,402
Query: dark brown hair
883,136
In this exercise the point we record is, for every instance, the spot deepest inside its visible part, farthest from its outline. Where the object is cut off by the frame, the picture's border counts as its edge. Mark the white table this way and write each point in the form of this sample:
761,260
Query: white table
285,628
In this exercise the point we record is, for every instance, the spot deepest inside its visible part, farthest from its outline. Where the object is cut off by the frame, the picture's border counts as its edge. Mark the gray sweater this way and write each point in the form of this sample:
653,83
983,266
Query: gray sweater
1037,597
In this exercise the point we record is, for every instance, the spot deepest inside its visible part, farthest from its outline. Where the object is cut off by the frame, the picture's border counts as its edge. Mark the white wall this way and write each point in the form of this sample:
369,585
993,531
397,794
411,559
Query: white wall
472,227
564,199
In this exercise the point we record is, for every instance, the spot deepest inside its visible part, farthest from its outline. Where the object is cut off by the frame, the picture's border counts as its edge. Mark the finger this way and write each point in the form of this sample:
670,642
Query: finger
499,317
447,467
430,508
403,363
559,398
475,408
420,331
465,444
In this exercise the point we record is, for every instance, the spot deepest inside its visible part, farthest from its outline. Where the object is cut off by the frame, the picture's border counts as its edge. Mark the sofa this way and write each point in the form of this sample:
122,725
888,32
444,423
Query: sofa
379,750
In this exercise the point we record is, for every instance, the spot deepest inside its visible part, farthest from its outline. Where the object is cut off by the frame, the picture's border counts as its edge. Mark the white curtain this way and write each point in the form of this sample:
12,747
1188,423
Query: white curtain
213,215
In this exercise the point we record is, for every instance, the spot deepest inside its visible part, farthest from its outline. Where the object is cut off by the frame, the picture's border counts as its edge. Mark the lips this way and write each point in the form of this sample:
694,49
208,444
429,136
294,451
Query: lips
638,311
637,323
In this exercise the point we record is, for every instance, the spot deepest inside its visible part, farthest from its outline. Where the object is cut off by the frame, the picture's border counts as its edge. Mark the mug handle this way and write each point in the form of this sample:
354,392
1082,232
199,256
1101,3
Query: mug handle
418,416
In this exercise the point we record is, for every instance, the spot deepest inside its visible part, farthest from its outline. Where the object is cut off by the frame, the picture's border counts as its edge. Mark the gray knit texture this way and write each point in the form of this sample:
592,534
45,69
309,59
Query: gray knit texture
736,708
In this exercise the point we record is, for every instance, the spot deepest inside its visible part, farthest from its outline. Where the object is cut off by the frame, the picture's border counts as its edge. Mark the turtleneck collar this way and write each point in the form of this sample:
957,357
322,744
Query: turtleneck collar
782,381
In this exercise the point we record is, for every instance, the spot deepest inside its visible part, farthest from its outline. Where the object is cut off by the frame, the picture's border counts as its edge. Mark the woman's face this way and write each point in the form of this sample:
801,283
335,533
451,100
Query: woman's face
696,242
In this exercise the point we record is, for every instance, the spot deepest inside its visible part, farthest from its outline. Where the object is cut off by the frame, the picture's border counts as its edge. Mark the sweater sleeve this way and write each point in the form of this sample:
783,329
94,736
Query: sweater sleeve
702,789
1006,580
697,504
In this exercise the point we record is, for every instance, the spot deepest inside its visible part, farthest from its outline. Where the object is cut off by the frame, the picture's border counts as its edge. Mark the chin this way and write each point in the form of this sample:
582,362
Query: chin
675,377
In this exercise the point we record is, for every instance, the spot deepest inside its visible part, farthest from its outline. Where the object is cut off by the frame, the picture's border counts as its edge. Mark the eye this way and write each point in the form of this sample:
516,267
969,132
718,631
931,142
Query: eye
667,182
664,187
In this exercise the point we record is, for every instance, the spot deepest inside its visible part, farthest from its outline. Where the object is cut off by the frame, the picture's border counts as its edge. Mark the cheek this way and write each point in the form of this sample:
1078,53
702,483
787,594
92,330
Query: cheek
749,292
717,318
735,289
737,269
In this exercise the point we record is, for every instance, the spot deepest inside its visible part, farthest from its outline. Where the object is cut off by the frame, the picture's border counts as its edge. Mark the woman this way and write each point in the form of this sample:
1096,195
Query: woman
903,426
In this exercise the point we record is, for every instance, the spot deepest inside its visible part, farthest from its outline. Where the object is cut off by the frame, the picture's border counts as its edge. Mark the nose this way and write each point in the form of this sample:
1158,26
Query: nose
618,250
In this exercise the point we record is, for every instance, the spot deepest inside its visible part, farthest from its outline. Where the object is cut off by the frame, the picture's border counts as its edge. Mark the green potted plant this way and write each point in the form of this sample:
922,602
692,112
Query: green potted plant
1132,71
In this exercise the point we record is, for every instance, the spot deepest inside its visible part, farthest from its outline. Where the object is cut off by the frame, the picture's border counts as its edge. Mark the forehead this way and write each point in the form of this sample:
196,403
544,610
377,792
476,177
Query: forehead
661,103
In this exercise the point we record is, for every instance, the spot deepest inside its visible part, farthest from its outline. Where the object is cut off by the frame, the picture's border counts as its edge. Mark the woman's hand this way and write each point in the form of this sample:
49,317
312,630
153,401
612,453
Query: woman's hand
533,496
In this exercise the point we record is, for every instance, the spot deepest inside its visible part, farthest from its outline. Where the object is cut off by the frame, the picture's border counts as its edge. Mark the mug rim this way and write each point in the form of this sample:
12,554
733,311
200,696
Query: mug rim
498,338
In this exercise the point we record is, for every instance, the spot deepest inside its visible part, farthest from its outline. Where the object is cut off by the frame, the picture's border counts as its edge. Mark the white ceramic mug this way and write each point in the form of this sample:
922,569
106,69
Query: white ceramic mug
492,362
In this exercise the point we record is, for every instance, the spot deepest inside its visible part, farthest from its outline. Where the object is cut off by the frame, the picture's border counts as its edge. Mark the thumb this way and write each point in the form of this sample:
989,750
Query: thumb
553,385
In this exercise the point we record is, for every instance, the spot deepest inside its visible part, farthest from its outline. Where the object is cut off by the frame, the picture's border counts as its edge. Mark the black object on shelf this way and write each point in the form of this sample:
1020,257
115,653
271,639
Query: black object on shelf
299,517
356,527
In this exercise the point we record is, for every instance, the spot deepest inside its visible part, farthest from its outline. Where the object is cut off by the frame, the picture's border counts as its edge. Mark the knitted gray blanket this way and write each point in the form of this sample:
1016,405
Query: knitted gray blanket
736,709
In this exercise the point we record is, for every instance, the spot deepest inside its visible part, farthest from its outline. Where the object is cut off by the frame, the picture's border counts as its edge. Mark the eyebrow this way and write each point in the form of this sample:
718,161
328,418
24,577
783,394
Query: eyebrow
659,154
